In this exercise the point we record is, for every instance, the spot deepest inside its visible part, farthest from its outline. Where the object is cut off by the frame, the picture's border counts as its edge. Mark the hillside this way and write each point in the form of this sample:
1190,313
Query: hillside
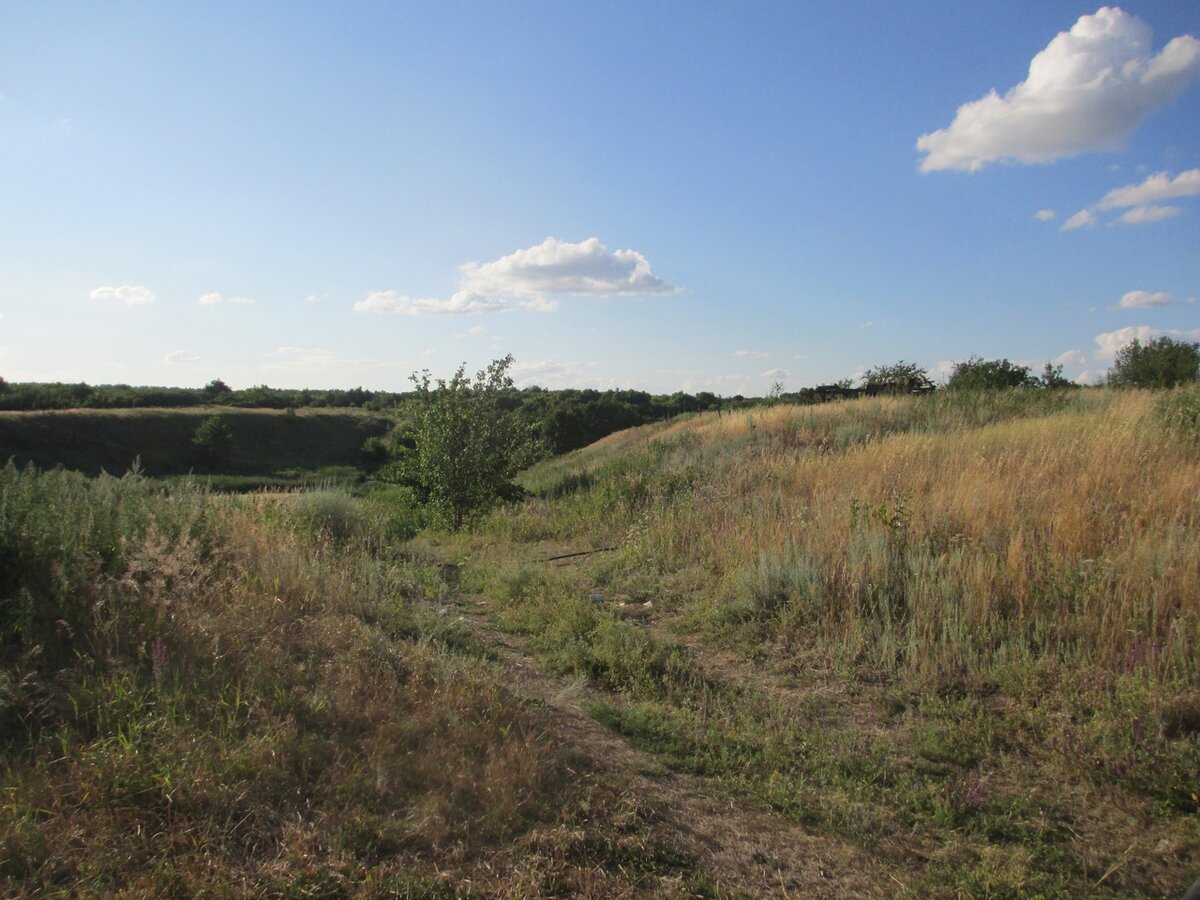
914,647
957,632
265,441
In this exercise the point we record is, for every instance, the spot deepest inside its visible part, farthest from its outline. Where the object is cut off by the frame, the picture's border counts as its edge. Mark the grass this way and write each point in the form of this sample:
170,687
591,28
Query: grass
964,622
213,694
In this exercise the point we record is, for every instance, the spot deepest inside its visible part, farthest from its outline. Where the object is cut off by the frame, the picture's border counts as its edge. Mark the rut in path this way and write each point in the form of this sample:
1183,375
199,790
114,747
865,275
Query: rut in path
744,849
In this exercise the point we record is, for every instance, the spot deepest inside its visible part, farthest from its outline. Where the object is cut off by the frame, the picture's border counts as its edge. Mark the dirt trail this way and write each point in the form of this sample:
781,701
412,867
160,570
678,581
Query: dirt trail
746,850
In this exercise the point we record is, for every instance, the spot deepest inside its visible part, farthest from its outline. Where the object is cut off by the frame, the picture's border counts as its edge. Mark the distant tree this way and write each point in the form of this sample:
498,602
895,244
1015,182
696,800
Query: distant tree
1052,377
468,447
898,378
213,441
1159,363
977,374
216,391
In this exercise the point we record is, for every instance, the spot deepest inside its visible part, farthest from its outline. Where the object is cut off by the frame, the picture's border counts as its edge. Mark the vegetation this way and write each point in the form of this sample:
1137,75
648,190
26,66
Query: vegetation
266,446
976,374
467,448
890,624
207,695
1159,363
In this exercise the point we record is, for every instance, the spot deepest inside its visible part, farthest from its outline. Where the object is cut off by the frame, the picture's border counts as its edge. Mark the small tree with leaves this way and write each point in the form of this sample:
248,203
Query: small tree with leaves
977,374
897,378
213,441
1159,363
468,447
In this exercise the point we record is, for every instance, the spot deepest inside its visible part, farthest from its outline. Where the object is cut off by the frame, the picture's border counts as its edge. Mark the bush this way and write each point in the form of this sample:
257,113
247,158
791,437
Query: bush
332,514
1159,363
977,374
213,442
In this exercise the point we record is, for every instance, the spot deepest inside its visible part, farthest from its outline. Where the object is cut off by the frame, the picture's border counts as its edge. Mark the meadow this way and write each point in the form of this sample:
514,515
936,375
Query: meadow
954,637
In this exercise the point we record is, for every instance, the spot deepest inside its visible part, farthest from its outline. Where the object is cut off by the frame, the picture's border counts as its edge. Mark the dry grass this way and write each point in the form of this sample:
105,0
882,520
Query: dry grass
247,704
1001,592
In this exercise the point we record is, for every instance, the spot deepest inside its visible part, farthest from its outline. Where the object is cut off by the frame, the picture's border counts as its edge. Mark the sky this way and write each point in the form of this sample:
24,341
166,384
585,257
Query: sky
662,196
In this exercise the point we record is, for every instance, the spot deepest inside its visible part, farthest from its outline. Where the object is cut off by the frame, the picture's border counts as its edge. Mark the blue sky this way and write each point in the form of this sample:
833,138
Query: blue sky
661,196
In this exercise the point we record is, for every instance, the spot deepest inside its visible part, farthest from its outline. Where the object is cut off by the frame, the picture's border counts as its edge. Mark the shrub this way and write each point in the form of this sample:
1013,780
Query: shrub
1159,363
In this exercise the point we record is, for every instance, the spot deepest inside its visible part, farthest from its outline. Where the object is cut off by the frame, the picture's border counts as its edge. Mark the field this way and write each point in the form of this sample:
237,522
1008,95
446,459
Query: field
936,646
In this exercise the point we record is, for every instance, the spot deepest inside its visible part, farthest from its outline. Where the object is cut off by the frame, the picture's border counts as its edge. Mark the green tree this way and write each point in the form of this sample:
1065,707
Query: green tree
977,374
468,447
1052,377
213,441
1159,363
898,378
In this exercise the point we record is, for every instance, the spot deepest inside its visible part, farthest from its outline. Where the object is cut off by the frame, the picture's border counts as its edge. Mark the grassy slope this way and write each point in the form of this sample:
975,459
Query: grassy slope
265,442
231,696
964,631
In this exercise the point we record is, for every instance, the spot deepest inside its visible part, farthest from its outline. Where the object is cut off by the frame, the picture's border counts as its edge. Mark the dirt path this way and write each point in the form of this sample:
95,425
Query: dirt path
746,850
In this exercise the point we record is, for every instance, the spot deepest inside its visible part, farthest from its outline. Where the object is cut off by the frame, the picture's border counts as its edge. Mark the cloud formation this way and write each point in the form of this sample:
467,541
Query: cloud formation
180,356
1158,187
129,294
1089,89
1110,342
751,354
215,298
1144,199
1144,299
1140,215
532,280
1044,215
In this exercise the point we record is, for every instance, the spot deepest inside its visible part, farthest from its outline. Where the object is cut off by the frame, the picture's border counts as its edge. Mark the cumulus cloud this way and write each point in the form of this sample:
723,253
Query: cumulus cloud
751,354
1088,89
312,298
209,299
532,279
129,294
1139,215
1079,220
1071,359
1155,189
476,329
241,301
1110,342
1044,215
1144,299
180,356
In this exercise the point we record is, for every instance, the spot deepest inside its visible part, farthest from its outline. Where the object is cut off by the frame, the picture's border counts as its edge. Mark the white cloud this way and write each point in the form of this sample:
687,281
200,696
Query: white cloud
865,325
1084,377
1071,359
1110,342
751,354
776,374
312,298
1190,300
1045,215
1079,220
476,329
129,294
1087,90
538,304
1139,215
1155,189
180,356
559,267
942,369
398,304
209,299
1143,299
241,301
531,279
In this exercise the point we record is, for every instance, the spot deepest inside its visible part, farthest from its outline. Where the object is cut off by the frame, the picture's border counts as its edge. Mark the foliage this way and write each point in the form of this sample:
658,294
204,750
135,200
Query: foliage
1052,377
1179,411
898,377
1159,363
977,374
468,448
213,442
